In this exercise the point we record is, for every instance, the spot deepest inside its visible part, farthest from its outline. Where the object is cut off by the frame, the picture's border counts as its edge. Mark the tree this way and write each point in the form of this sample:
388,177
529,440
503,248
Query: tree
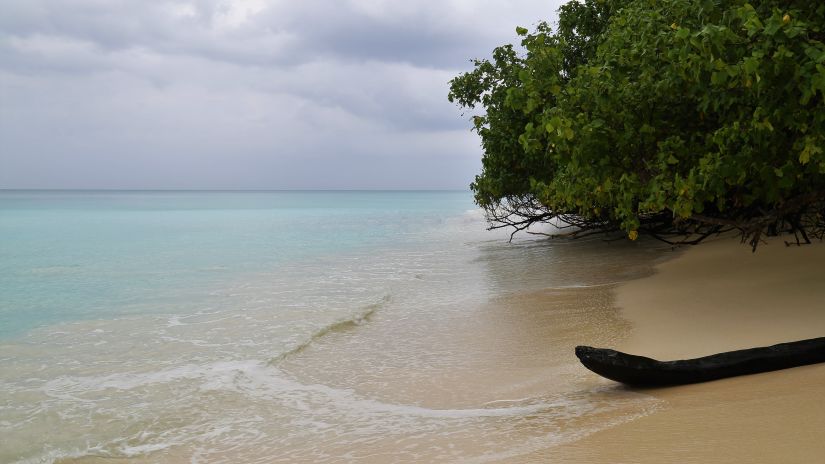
676,118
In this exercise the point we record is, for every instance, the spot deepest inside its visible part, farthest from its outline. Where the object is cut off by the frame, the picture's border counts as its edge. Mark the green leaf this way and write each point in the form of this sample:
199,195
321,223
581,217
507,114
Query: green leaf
808,151
750,65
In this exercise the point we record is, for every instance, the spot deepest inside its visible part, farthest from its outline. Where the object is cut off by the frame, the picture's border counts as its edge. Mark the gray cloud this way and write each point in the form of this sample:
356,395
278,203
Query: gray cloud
241,94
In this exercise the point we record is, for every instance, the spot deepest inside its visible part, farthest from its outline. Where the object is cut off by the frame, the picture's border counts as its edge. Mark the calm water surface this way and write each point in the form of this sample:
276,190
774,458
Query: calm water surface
296,327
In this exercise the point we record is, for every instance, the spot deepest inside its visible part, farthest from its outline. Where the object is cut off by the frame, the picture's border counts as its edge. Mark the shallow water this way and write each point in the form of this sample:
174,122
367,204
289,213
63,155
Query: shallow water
297,327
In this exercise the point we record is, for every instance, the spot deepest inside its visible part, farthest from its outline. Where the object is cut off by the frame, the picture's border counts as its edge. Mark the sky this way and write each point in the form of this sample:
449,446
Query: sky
243,94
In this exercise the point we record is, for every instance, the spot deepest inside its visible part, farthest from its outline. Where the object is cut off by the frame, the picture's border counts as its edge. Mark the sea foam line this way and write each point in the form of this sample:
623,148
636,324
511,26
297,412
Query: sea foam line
337,326
264,382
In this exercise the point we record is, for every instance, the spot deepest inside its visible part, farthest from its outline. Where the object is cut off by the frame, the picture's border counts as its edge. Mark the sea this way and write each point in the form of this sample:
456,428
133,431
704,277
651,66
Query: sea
299,326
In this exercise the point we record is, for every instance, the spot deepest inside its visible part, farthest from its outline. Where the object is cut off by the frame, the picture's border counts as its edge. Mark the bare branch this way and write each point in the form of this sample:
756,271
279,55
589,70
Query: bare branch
803,216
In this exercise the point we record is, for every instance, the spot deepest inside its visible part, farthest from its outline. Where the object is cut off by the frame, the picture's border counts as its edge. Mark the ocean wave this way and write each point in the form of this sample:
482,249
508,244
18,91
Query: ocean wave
348,417
340,325
331,415
263,381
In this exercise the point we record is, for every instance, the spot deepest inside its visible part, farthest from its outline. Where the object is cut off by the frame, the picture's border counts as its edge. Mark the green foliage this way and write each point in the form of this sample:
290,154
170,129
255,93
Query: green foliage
651,115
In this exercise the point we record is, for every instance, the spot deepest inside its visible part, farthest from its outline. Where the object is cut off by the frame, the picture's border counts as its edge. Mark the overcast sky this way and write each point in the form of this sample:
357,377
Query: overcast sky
281,94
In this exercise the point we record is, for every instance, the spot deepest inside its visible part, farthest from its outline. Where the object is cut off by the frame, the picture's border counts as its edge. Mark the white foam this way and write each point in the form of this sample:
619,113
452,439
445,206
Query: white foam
259,380
309,410
127,381
130,451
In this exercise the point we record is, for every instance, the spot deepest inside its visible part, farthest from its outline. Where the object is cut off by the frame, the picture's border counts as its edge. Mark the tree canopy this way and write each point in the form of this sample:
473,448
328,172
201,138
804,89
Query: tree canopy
677,118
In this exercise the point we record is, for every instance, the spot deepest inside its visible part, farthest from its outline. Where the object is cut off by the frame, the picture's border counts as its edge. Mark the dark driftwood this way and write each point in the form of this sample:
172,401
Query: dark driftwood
641,371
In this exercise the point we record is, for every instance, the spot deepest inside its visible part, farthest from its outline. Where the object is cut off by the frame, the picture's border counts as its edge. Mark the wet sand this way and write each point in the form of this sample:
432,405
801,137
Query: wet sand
718,297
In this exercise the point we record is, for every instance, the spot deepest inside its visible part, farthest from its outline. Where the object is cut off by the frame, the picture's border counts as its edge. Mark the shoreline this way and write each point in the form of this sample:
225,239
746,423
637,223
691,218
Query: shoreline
495,379
720,297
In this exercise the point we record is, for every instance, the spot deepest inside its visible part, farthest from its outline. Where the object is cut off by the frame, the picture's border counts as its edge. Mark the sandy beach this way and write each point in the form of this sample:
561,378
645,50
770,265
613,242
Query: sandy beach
717,297
491,379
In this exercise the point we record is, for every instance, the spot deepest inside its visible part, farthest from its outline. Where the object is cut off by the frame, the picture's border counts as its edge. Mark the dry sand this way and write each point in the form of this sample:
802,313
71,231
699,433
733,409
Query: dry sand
719,297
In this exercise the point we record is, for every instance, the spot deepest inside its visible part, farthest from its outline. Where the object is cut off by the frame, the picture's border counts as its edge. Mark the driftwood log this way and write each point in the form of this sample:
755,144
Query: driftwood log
642,371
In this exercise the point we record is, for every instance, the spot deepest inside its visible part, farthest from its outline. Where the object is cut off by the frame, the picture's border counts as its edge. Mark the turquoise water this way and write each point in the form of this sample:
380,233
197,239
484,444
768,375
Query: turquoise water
296,327
77,255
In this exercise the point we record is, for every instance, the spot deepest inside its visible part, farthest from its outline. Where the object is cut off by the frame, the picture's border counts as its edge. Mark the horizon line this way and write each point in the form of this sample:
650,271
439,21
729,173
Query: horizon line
221,190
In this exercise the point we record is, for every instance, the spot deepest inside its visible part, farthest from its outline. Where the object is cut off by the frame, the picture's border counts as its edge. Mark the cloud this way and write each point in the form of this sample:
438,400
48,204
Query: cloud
241,94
